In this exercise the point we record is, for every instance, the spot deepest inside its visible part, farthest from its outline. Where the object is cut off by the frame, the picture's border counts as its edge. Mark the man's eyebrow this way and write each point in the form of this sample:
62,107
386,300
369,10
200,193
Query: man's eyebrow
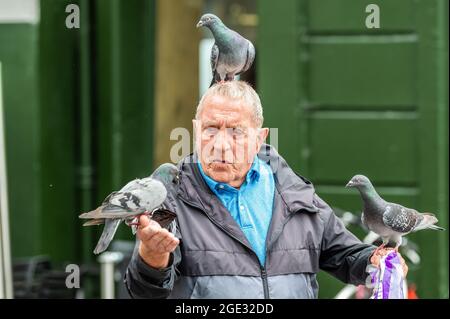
213,123
209,123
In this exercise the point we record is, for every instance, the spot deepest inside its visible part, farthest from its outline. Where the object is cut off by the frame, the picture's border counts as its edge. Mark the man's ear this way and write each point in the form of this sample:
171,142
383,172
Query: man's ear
262,134
195,123
196,131
261,137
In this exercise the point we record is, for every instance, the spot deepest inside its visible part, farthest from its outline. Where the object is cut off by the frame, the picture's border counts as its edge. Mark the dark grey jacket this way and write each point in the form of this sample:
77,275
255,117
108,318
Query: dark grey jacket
215,260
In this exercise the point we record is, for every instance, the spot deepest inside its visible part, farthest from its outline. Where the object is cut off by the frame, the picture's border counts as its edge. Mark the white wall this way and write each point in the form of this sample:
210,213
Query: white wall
19,11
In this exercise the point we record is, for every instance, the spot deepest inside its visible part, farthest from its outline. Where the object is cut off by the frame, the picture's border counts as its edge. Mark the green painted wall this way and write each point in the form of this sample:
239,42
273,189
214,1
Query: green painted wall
19,57
351,100
79,119
58,84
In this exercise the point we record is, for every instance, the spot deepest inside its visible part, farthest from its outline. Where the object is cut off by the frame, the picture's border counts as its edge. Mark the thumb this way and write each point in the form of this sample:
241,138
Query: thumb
144,221
147,227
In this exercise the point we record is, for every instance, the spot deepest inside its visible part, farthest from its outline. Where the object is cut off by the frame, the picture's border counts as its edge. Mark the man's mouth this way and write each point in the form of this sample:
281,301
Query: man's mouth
220,161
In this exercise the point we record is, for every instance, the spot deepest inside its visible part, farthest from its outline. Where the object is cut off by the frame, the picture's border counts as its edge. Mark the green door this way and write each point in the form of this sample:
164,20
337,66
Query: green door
347,99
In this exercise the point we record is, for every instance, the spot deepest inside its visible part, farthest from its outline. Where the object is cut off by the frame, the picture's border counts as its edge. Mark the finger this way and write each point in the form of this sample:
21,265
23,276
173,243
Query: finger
384,251
161,237
161,247
404,267
155,241
143,221
166,242
173,245
376,260
147,224
146,233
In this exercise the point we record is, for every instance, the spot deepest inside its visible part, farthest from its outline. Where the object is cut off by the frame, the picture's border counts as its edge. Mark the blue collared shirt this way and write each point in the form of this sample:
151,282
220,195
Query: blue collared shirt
251,205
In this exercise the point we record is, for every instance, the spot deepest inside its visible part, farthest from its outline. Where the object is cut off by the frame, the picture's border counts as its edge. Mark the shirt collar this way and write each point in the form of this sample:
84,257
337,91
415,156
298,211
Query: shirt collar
252,176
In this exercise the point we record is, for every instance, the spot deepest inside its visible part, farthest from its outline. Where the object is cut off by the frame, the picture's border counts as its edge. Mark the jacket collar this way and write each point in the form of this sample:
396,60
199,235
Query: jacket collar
295,191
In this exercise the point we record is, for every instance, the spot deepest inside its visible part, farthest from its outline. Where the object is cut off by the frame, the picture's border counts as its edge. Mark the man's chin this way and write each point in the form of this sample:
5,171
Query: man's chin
222,176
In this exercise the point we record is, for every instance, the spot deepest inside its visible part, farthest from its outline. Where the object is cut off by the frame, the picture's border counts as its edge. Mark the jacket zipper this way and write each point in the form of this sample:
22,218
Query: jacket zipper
265,283
262,268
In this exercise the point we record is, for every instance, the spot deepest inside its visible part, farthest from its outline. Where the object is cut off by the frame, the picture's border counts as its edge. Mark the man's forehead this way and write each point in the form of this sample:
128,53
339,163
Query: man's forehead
228,117
219,109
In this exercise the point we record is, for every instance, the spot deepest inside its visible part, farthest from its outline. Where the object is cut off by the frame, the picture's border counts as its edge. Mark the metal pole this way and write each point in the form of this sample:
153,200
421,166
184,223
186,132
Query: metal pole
6,290
107,278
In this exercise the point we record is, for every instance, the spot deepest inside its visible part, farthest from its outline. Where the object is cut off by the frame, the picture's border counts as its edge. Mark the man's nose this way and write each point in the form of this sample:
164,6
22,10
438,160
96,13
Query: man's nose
222,142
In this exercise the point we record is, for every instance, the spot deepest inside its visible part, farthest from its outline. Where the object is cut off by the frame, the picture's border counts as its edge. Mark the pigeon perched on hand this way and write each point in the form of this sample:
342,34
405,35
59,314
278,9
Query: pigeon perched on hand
389,220
138,197
231,54
168,174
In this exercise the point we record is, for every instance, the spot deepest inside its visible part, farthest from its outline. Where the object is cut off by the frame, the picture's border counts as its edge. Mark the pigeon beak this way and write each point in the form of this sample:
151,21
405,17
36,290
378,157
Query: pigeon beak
200,24
349,184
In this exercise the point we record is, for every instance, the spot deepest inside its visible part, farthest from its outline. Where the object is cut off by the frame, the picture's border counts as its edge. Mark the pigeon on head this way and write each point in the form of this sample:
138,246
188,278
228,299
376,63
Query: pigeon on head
231,54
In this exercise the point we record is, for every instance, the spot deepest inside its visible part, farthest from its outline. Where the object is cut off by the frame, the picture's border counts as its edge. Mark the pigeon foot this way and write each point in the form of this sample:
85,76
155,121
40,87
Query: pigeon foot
137,218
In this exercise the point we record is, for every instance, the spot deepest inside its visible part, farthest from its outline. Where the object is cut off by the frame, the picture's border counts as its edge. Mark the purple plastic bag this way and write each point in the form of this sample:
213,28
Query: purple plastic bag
387,279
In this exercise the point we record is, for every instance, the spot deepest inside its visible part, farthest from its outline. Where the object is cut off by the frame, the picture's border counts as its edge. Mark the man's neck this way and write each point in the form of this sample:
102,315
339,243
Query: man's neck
238,183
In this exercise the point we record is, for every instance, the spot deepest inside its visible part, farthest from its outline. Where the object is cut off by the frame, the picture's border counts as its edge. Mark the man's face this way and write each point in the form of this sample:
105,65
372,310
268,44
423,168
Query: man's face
227,139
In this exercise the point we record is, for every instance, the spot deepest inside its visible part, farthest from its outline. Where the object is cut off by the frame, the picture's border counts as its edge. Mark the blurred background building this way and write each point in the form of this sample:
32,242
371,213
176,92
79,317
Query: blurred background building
86,110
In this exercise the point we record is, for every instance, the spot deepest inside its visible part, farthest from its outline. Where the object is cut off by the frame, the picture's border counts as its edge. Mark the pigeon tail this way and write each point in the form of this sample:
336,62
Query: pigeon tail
434,227
109,230
93,222
93,213
428,222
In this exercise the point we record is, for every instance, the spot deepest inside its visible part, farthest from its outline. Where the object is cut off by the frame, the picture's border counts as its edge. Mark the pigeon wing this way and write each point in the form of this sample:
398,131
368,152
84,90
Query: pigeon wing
401,219
128,201
250,57
109,230
145,195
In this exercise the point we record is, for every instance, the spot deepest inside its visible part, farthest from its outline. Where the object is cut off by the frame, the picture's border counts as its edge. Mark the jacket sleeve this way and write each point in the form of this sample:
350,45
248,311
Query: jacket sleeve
343,255
144,281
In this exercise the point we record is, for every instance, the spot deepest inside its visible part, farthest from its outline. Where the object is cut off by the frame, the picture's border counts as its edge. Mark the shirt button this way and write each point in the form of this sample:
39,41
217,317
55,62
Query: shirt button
221,186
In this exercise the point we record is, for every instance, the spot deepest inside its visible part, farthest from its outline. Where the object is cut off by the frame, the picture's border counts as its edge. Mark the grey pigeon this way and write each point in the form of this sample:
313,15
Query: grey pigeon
389,220
138,197
231,54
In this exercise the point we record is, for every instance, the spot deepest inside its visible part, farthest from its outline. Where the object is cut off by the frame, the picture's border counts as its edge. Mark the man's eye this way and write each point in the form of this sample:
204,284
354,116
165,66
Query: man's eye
238,132
210,131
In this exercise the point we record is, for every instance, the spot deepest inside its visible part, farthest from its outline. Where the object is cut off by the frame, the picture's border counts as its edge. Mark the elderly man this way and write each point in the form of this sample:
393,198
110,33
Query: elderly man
248,226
